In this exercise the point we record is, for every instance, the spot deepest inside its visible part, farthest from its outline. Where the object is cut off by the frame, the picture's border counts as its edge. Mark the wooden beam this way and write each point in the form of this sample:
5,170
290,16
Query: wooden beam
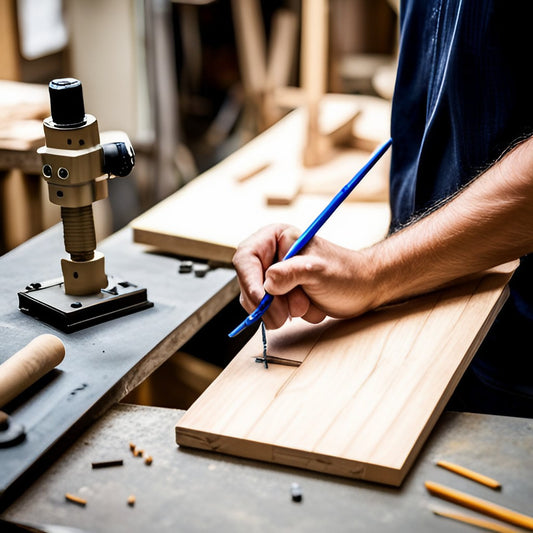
313,75
9,56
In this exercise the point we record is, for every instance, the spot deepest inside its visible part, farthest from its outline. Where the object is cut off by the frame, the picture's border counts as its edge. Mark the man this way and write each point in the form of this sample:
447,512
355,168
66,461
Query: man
461,196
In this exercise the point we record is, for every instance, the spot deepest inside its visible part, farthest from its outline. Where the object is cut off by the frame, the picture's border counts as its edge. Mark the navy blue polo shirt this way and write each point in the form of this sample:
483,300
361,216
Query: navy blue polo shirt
462,97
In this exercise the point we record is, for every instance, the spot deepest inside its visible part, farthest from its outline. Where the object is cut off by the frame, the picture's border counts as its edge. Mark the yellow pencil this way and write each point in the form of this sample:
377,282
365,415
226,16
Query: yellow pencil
477,504
470,474
474,521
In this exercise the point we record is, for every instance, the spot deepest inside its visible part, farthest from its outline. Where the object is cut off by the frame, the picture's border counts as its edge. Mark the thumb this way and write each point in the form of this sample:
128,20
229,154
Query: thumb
284,276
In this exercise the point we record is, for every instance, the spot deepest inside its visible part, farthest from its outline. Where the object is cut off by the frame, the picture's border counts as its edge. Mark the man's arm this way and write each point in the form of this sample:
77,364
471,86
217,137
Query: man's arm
488,223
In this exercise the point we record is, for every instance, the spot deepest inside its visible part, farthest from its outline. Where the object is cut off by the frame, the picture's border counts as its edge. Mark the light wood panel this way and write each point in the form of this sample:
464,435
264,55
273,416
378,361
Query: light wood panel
213,213
366,395
9,58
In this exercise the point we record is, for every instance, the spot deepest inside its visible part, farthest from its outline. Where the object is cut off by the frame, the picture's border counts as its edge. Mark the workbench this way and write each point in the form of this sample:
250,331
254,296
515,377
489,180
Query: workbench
186,490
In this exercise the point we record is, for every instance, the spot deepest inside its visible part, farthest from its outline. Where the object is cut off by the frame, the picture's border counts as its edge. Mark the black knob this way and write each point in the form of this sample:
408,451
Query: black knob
119,158
66,103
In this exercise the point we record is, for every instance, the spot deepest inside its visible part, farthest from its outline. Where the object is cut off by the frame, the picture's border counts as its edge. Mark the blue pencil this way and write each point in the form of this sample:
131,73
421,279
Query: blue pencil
311,231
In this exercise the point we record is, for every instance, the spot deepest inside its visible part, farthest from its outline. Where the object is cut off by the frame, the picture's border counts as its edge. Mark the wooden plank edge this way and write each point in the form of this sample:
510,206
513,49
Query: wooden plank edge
280,455
183,246
456,378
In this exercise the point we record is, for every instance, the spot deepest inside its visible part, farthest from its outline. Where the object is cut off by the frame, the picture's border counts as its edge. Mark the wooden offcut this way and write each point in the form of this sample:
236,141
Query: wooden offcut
29,364
212,214
367,392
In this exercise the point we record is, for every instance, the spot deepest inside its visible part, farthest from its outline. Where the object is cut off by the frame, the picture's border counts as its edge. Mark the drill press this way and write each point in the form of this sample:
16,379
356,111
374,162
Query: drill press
76,168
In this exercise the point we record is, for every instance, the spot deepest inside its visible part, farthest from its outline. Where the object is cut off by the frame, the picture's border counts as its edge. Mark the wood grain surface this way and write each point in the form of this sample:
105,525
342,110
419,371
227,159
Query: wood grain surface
366,395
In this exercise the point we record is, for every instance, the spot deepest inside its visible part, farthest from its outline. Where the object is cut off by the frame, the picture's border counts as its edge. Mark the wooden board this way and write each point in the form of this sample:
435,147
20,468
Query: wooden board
23,101
366,395
212,214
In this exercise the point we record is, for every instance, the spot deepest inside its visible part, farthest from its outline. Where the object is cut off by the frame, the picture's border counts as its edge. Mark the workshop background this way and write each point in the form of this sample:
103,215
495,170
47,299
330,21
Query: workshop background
171,75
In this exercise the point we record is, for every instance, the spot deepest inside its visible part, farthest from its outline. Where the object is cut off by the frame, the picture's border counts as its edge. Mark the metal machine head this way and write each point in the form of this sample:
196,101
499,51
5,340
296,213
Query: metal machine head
76,167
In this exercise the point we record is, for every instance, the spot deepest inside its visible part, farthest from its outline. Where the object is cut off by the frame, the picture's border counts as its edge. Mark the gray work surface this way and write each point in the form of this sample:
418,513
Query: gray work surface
103,362
189,490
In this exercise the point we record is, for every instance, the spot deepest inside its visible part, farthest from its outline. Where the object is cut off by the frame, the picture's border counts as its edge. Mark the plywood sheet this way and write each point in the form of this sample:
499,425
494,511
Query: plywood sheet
213,213
366,395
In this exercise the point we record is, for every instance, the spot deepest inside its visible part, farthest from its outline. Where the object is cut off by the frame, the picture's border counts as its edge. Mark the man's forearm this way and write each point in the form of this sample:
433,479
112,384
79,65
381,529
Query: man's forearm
490,222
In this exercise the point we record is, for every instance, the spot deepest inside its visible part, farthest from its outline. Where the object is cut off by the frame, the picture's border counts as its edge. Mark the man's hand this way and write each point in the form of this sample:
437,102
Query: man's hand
323,280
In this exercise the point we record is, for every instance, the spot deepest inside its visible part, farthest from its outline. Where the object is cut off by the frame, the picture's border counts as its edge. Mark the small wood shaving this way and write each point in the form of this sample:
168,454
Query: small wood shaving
107,464
75,499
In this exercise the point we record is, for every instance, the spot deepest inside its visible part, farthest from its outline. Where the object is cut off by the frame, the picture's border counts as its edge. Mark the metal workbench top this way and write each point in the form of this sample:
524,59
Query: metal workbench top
103,362
190,490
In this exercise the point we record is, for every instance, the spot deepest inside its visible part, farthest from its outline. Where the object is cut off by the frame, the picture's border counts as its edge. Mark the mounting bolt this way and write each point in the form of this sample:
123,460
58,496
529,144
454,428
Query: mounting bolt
185,267
296,492
200,270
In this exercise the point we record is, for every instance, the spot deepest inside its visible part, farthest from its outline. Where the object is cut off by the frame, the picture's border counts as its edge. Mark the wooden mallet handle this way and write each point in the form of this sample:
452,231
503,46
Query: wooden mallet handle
29,364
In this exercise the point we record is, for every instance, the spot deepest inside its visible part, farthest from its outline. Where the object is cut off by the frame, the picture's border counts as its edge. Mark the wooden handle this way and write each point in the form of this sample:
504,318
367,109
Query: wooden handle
29,364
